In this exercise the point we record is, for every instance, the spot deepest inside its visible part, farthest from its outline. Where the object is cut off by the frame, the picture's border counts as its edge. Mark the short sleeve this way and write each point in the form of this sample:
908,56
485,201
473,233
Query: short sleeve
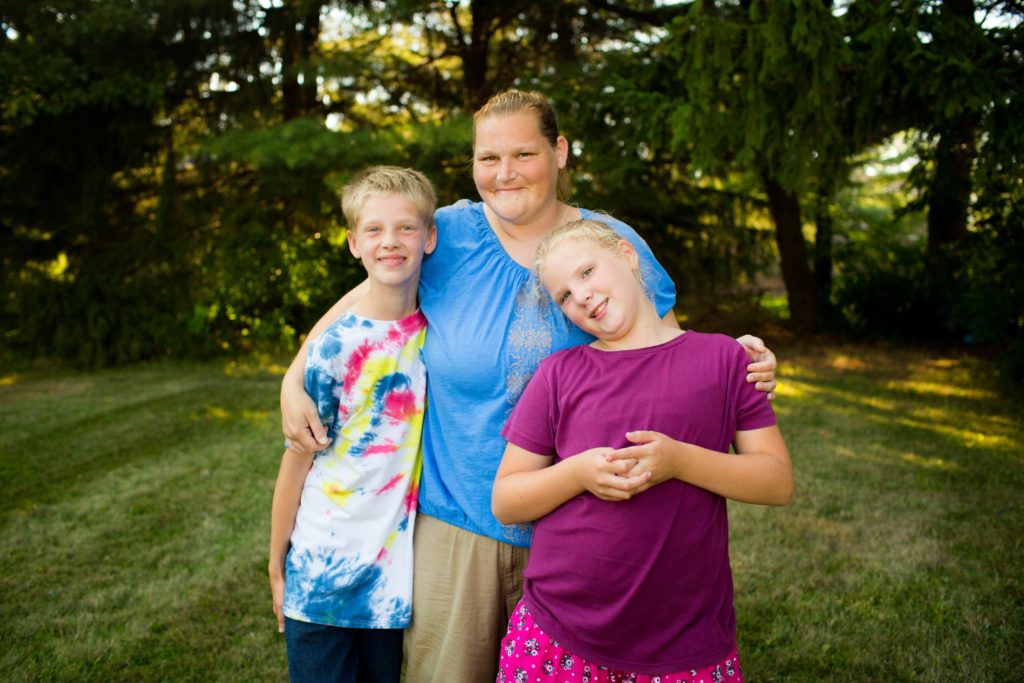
660,288
321,386
531,425
753,409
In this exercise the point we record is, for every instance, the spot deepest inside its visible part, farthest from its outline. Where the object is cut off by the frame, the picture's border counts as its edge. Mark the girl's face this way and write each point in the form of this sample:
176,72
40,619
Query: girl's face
597,288
515,168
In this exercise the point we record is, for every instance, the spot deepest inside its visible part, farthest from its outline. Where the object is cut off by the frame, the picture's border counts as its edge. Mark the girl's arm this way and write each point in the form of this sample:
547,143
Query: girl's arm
528,486
287,493
760,472
299,419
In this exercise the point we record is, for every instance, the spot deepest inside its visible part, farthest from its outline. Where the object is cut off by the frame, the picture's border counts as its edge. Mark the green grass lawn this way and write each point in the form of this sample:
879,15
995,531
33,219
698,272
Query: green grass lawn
136,505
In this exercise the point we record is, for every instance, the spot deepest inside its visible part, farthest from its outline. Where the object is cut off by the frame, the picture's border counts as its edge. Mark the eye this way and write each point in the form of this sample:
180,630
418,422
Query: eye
586,272
563,297
372,228
409,228
525,154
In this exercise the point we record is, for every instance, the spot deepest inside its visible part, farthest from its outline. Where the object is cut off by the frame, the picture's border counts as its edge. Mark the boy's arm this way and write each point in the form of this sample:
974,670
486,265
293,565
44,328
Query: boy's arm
528,486
760,472
287,492
299,419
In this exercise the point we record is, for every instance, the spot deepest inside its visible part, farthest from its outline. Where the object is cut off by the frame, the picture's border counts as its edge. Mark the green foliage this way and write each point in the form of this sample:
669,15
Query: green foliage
169,168
758,89
880,288
989,299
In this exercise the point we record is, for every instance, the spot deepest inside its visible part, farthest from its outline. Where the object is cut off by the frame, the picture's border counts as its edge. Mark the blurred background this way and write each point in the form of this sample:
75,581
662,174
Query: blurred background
169,168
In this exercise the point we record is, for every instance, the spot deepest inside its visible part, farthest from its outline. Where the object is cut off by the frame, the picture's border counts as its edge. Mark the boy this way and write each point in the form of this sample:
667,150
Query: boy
342,592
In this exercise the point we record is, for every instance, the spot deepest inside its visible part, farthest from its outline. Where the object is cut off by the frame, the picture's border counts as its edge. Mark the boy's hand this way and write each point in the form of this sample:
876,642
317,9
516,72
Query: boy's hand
762,369
656,457
606,478
277,593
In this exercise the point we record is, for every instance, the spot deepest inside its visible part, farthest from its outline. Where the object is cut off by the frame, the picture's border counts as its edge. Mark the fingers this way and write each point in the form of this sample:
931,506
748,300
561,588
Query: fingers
752,344
317,427
279,612
640,436
763,362
622,488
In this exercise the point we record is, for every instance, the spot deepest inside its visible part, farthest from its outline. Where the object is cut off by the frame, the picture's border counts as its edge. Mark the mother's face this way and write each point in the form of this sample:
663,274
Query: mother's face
515,167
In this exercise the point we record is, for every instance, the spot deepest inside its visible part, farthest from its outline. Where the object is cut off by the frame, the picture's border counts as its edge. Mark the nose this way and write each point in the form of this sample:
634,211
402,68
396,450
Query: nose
582,296
390,239
505,170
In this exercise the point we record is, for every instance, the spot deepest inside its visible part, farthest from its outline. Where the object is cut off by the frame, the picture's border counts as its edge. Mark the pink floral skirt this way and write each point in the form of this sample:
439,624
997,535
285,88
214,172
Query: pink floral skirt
528,656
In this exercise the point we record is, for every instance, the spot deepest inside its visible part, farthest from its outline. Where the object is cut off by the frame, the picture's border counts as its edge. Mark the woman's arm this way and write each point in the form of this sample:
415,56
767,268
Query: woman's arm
287,493
299,419
760,472
528,486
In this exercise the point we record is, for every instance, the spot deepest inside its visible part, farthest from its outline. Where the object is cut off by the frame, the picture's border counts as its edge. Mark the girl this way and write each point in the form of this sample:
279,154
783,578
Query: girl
628,576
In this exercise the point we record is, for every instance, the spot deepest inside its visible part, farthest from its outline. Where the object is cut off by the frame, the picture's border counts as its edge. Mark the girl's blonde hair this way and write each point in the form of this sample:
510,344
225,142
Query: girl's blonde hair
581,230
512,102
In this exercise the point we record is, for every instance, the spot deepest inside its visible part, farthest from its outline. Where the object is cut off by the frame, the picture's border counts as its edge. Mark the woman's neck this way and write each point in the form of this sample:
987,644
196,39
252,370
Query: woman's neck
520,240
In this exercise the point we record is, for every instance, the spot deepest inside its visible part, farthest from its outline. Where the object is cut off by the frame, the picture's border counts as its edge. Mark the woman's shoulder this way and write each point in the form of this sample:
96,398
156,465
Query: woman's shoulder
462,212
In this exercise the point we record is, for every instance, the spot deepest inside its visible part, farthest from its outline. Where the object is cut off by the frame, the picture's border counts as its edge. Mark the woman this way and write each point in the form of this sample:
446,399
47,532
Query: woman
489,327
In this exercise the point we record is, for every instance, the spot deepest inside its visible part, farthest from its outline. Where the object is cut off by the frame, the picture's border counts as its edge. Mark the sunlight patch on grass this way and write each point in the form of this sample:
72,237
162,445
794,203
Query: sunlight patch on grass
954,390
966,436
7,380
929,463
843,362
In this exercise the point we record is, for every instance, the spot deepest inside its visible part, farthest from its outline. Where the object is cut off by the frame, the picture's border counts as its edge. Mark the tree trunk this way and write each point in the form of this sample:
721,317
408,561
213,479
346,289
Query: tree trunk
476,87
801,288
950,191
301,33
823,252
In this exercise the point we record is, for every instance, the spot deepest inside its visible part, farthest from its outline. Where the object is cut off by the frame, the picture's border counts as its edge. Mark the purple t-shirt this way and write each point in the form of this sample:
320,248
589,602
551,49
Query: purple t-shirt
642,585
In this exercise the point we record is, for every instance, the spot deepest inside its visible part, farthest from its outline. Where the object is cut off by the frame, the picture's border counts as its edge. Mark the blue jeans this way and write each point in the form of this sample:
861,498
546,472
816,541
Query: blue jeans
342,655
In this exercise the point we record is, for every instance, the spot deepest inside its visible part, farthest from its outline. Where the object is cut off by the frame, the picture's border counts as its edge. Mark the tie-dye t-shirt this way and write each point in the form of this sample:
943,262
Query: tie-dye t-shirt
350,562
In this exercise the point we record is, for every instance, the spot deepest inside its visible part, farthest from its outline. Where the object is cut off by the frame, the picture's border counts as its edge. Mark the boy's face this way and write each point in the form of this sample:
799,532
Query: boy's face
391,239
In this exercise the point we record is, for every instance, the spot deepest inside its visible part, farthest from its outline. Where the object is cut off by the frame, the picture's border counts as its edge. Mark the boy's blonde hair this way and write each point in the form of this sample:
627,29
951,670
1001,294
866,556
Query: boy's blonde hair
377,180
580,230
512,102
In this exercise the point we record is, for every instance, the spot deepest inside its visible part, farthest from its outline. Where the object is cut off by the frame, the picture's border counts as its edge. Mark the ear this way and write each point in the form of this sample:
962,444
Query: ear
629,253
349,239
562,151
431,243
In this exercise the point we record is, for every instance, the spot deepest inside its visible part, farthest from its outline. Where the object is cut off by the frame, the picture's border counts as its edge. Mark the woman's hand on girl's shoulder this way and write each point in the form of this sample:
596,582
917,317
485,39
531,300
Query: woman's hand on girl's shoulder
762,369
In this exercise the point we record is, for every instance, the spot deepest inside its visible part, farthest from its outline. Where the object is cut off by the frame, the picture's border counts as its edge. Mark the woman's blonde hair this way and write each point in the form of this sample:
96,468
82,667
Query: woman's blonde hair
581,230
512,102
